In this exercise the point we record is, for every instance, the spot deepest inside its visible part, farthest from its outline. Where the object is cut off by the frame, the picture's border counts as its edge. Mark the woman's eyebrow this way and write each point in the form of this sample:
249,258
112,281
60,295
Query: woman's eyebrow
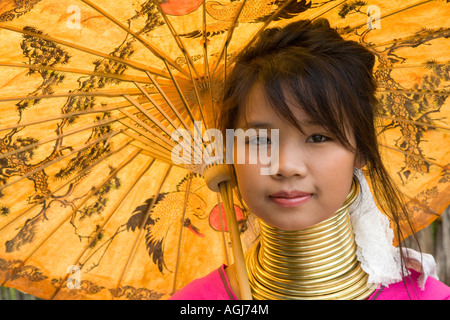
258,125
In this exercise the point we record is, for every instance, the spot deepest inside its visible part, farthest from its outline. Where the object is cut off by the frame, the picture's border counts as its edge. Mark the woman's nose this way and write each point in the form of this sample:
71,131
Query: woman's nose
292,161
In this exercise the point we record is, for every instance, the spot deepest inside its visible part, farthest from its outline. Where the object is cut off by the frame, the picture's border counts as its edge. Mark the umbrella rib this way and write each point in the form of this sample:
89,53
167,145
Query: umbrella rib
186,107
104,93
169,103
229,35
206,71
151,151
145,142
33,145
388,15
444,167
416,91
166,140
127,78
184,50
116,106
179,42
155,121
185,202
106,220
87,145
183,98
421,65
132,64
416,201
75,178
149,46
147,114
156,105
414,37
421,123
205,41
142,226
73,212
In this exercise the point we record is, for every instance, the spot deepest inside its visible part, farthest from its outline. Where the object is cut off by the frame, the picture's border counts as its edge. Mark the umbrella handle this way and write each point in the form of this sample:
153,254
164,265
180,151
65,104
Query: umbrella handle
238,252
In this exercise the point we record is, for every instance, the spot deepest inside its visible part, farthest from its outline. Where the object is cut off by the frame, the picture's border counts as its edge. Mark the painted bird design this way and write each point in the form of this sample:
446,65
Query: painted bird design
158,215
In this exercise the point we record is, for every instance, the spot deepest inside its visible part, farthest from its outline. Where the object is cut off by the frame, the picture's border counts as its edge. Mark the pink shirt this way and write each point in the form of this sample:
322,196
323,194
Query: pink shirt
215,286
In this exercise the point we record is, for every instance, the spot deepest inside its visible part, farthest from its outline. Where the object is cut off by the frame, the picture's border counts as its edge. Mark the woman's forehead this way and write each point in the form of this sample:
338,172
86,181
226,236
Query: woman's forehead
258,111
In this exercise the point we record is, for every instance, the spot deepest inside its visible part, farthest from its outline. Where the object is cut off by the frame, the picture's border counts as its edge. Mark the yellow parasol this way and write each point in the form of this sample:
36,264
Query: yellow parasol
93,204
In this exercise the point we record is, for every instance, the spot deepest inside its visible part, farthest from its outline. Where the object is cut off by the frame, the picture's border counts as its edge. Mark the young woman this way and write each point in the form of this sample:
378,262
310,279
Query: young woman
322,236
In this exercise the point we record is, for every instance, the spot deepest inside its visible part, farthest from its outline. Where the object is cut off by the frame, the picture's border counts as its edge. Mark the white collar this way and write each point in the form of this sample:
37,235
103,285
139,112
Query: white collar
374,238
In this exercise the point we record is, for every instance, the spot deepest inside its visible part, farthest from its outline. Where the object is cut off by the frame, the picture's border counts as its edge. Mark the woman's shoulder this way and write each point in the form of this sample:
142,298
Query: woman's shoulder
409,289
213,286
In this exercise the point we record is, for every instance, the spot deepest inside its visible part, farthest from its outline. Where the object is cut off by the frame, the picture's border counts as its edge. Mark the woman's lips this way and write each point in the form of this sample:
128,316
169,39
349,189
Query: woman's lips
290,198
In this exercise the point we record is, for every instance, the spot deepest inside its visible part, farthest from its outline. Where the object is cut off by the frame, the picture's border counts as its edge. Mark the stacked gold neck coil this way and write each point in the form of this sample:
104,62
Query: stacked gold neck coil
318,262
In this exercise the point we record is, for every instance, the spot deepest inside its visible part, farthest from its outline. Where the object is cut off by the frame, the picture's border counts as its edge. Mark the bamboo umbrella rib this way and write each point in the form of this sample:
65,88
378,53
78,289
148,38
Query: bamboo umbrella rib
130,63
73,211
422,65
155,154
121,77
152,150
384,16
420,123
115,106
146,135
75,178
445,167
186,106
178,40
97,124
411,38
415,91
140,233
104,93
228,37
183,98
158,53
180,236
148,128
418,202
156,150
87,145
169,102
207,71
156,105
106,220
147,114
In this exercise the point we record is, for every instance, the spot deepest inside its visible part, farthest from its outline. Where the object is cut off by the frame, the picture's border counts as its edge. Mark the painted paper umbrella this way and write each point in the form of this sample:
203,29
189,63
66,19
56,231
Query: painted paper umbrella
92,93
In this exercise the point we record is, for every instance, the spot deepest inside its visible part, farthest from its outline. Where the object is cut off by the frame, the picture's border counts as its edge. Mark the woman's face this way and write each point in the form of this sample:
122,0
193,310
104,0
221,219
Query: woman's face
314,169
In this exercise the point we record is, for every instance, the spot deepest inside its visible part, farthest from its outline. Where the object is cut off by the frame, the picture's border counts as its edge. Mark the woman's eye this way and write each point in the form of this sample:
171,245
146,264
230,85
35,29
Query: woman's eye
258,140
317,138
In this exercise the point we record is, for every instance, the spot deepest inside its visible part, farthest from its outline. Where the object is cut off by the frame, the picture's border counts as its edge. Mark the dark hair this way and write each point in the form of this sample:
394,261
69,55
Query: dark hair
332,80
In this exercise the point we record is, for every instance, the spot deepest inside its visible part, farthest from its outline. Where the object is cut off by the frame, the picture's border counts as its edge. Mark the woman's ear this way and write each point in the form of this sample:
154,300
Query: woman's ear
360,161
